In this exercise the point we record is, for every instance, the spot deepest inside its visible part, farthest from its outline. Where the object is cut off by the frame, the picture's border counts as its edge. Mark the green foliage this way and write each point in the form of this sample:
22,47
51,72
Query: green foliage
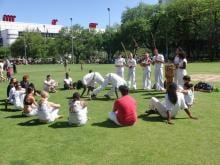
4,52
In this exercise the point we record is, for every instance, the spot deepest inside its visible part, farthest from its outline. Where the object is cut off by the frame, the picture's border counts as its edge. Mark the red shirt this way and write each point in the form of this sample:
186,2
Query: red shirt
125,109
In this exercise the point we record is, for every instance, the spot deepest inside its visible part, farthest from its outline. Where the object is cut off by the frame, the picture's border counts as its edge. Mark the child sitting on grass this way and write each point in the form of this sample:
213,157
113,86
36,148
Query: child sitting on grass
77,111
188,91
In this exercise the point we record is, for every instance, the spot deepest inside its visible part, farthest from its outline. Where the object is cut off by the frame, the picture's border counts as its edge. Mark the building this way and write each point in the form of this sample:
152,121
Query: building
11,30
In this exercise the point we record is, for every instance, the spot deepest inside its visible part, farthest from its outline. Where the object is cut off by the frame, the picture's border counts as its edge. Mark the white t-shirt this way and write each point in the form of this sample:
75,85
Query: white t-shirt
115,79
132,63
11,95
91,78
19,98
189,97
182,61
120,62
180,104
159,57
77,114
68,81
176,60
50,83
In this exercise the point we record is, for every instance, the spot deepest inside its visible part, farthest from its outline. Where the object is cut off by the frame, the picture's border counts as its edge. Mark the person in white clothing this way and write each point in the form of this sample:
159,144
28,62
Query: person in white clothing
188,94
77,111
176,62
68,82
114,80
89,81
47,111
131,64
181,71
158,61
119,64
174,101
145,64
19,95
50,85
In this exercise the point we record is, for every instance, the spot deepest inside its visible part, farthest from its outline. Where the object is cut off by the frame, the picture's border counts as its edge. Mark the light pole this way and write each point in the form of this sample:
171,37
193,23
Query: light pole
25,49
71,28
109,26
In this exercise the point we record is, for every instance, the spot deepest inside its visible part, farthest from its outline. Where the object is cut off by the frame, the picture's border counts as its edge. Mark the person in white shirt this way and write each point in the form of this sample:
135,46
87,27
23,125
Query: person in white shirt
114,80
181,71
176,62
19,95
131,64
145,64
68,82
50,84
89,81
119,64
174,101
188,94
77,111
47,111
158,61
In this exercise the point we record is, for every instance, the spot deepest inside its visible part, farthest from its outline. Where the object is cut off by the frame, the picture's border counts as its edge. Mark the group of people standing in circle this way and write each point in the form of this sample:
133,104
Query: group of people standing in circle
158,61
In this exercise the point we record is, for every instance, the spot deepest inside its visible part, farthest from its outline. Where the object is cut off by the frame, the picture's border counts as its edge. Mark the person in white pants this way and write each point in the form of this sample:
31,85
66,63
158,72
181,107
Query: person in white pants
47,111
181,71
89,80
114,80
174,101
145,64
131,64
176,63
158,61
119,64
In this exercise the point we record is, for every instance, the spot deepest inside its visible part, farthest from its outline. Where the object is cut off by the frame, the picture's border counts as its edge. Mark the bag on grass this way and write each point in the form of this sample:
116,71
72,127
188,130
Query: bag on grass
204,87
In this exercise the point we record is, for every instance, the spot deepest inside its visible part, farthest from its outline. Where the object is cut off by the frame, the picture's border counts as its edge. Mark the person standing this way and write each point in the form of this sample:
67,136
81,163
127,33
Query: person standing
176,63
124,110
131,64
119,64
158,61
181,71
145,64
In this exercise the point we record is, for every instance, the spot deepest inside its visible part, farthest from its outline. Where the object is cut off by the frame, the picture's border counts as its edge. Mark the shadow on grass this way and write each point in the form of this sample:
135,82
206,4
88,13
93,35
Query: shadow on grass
158,97
107,124
9,110
2,100
146,117
154,93
32,122
61,124
69,98
102,99
16,116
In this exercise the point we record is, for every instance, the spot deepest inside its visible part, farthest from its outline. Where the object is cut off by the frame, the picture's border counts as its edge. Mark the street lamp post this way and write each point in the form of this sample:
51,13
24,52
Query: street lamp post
71,28
109,26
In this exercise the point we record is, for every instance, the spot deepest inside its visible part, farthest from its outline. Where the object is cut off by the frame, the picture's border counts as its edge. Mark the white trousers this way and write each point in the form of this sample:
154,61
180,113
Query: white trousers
131,79
112,117
159,79
146,80
101,87
180,74
120,71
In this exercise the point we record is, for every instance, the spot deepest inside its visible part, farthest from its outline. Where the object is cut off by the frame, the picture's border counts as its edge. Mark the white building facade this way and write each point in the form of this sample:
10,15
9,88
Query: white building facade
10,31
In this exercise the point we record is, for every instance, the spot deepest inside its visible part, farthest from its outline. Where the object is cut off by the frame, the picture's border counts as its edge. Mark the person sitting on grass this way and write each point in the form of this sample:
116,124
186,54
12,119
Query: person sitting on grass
25,82
47,111
77,111
174,101
10,86
50,84
17,96
188,94
113,79
68,82
30,104
124,110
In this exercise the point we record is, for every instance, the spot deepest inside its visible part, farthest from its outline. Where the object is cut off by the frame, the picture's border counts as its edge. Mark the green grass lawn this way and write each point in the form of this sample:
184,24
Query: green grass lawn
150,141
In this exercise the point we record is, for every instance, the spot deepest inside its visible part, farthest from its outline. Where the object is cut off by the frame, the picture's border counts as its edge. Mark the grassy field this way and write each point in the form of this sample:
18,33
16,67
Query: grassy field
24,141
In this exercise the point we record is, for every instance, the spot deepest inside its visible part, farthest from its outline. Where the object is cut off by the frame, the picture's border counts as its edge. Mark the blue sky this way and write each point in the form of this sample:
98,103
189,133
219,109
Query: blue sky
82,11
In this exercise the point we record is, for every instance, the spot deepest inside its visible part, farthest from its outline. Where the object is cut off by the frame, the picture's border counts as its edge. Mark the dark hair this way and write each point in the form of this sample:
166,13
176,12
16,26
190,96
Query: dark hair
29,90
188,85
76,96
123,89
187,78
48,75
90,71
79,84
12,81
67,74
171,92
